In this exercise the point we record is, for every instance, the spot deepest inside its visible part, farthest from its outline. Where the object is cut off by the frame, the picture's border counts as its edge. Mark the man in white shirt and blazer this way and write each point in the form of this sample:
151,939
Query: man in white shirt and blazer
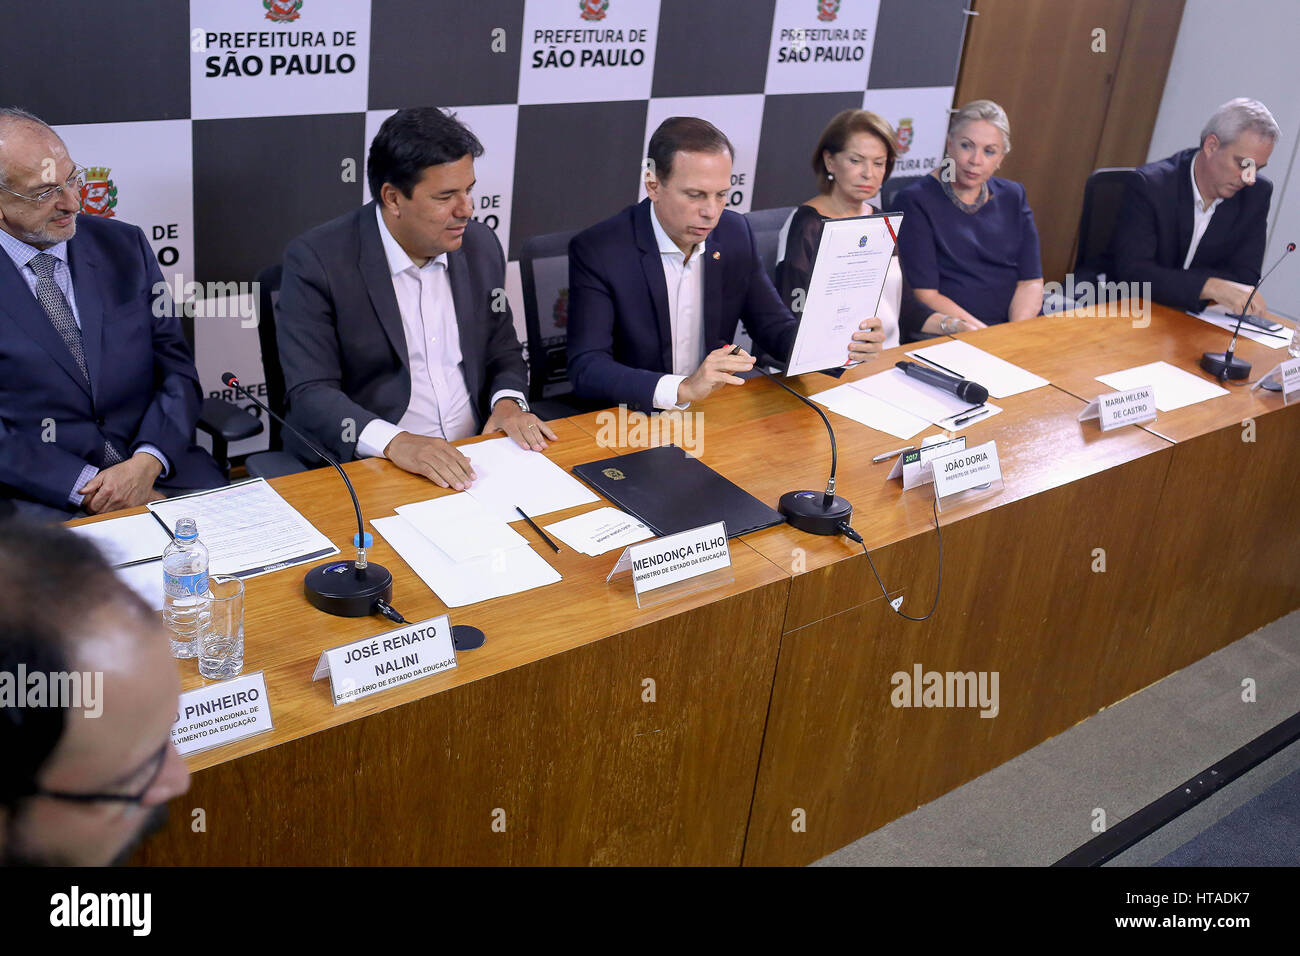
394,332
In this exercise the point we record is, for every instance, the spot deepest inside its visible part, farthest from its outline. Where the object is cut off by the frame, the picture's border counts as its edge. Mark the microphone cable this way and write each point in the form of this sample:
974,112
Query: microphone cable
852,535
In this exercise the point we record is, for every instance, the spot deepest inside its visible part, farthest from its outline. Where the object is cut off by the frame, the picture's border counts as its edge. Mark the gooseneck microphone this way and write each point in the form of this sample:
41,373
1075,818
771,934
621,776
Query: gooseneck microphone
812,511
346,588
963,388
1225,364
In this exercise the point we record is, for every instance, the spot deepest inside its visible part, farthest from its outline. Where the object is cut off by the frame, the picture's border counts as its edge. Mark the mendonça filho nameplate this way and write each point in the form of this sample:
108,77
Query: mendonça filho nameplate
1116,409
679,556
388,660
220,713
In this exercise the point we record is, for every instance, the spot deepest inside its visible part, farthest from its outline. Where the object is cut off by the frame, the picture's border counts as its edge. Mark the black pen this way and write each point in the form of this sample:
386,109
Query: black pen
965,418
532,524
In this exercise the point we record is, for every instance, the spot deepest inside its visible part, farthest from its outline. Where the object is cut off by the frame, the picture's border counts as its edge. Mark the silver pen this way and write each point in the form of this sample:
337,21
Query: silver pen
891,454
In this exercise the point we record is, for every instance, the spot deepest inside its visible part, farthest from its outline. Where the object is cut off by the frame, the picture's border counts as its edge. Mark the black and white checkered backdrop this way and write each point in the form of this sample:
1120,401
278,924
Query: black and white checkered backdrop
224,128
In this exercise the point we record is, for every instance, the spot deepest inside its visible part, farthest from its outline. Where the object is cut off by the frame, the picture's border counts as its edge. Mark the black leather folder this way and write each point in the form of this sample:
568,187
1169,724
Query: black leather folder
669,491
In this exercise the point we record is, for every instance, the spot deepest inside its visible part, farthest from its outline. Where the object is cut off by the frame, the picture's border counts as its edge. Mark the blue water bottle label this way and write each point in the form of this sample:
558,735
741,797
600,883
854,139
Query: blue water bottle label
185,585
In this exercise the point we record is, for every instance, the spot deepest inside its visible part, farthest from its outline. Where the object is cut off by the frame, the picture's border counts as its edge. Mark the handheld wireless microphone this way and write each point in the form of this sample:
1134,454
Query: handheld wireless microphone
964,389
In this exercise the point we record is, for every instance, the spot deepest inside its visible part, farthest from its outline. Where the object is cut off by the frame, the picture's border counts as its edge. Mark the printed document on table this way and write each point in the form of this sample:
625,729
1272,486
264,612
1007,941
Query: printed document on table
852,402
465,582
595,532
1217,315
145,580
509,476
461,526
911,395
126,540
248,528
1000,377
1174,387
847,280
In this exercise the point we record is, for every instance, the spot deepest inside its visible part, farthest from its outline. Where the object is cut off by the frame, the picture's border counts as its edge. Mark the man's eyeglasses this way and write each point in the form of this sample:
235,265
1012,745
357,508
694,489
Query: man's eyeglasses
153,767
74,185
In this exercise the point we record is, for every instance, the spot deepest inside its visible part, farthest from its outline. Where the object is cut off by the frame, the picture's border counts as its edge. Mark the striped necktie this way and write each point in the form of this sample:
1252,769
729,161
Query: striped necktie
60,314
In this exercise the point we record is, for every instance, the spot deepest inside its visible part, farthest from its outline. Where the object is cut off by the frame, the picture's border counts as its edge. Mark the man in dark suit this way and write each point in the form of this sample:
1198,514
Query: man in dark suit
394,331
98,390
656,291
1193,224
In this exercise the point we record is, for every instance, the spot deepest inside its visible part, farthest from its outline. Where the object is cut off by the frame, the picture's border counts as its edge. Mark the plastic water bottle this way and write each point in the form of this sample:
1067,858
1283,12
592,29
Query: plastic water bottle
185,586
1294,348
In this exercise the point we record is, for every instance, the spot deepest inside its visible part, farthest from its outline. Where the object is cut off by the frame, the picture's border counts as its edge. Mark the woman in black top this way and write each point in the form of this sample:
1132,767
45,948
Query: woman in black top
854,157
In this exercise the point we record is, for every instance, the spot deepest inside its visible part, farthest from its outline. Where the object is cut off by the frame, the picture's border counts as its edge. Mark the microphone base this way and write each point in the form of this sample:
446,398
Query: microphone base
804,510
339,588
1218,365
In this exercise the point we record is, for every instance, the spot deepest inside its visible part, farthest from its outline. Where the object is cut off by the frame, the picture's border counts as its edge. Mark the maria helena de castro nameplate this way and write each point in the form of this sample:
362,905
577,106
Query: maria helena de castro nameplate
386,660
1116,409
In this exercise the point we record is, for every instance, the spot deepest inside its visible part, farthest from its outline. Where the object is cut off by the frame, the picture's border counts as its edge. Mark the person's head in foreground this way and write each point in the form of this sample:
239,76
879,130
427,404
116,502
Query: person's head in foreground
88,695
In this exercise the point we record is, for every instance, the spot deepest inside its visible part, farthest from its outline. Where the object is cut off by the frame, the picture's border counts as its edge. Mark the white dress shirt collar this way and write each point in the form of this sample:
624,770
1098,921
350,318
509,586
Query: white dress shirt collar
1197,201
665,242
398,260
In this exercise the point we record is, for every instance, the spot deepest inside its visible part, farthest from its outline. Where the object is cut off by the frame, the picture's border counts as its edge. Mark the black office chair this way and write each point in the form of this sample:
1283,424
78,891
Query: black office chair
223,422
888,199
275,461
544,274
1103,196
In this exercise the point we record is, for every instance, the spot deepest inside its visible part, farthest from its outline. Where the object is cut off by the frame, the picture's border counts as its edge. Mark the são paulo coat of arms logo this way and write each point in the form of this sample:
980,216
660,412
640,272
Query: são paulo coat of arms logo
560,311
98,195
282,11
904,135
593,9
827,10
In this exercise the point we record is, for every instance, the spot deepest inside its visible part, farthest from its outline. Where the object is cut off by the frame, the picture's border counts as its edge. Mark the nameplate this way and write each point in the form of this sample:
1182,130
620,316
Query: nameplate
677,557
1288,375
966,469
220,713
387,660
914,466
1116,409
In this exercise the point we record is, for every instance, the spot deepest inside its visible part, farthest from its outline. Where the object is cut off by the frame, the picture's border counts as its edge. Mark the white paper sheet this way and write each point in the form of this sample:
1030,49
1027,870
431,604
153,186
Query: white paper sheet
599,531
1000,377
845,287
145,580
873,412
126,540
461,526
509,476
248,528
1216,315
896,388
466,582
1174,387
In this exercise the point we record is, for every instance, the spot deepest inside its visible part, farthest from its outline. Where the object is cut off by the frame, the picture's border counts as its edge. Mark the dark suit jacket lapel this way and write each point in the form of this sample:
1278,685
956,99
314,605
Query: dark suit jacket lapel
468,327
379,283
714,260
17,301
90,309
653,266
1185,200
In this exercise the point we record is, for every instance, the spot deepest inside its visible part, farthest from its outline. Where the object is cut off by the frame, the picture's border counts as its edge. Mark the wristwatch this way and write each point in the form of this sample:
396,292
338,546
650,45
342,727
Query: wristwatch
948,324
520,402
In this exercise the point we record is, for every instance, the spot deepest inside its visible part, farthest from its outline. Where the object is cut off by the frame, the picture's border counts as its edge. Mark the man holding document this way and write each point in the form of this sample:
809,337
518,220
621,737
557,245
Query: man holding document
656,291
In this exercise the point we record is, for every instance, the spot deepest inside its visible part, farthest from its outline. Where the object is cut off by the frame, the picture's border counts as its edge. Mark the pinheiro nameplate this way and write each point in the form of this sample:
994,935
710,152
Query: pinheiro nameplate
1288,374
386,660
1116,409
221,713
914,466
963,470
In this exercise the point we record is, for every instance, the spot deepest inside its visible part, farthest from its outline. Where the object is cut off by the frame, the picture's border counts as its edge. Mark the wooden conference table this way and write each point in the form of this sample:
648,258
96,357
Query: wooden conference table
752,723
